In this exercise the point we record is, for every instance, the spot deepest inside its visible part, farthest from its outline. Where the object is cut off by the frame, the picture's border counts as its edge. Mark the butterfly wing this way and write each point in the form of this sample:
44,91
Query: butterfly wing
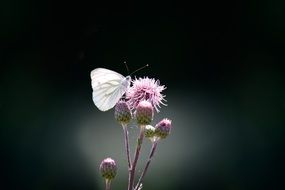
107,88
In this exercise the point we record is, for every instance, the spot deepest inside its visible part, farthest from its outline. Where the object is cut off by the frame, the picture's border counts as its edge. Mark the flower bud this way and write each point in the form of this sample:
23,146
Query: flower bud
149,131
144,113
163,128
108,168
122,112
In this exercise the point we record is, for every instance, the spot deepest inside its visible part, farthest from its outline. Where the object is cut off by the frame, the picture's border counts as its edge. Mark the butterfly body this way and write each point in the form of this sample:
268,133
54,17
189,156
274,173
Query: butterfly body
108,87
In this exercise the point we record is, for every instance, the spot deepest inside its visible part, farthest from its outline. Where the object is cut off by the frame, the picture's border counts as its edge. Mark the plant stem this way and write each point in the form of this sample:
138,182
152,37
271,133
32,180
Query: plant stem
108,184
137,153
153,148
126,134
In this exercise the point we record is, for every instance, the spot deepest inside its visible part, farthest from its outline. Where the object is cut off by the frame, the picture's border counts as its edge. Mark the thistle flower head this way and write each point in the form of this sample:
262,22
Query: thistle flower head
163,128
108,168
144,113
123,113
145,89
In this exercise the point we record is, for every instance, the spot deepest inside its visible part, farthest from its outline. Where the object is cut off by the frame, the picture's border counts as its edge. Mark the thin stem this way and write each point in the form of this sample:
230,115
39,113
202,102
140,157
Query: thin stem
108,184
126,134
137,153
153,148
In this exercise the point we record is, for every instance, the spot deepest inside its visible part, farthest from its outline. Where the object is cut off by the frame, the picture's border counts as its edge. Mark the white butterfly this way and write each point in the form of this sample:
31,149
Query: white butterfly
108,87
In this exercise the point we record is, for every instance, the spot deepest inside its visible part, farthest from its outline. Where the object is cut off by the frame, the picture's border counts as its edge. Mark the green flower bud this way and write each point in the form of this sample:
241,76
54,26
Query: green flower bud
123,113
149,131
163,128
144,113
108,168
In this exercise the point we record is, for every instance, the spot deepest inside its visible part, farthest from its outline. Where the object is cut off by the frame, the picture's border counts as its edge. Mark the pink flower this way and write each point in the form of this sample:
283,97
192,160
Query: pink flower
145,89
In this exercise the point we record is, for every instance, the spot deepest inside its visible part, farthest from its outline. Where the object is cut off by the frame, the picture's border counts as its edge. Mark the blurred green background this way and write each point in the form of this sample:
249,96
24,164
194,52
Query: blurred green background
221,63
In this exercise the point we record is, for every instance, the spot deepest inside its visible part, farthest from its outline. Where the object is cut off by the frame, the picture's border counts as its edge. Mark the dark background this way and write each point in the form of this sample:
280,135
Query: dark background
221,63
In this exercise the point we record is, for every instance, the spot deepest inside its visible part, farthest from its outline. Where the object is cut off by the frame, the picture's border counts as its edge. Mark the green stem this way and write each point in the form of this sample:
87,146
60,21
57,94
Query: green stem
153,148
126,134
108,184
137,153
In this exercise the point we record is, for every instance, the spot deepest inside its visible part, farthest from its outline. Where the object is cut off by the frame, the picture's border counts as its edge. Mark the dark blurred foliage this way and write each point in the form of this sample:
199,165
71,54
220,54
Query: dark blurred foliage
231,52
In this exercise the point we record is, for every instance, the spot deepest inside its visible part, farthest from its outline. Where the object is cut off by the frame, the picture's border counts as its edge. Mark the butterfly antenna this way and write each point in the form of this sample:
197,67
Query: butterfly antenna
127,67
140,69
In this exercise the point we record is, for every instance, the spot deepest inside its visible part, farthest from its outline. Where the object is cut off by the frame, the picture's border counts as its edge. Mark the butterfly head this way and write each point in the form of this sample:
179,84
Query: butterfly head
127,81
128,78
